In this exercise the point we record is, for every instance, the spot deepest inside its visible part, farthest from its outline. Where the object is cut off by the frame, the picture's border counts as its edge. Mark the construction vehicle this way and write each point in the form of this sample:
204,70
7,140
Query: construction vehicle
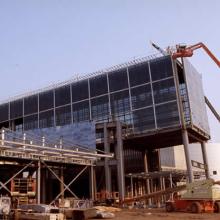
23,191
38,212
5,206
199,196
181,50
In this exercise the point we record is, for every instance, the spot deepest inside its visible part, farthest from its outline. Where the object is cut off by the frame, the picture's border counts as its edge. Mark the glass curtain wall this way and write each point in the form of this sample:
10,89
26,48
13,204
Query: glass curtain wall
141,95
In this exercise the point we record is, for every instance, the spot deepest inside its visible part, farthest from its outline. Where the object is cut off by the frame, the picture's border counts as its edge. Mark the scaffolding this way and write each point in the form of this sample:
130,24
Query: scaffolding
35,153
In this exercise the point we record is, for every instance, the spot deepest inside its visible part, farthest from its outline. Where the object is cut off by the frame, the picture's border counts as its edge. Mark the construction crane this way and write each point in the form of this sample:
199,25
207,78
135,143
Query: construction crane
211,107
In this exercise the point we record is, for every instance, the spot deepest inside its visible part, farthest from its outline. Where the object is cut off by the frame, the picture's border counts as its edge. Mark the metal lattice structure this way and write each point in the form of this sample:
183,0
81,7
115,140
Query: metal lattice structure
28,148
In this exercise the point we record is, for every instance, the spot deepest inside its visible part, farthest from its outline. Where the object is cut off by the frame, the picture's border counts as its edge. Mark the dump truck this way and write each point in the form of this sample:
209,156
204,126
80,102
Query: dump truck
199,196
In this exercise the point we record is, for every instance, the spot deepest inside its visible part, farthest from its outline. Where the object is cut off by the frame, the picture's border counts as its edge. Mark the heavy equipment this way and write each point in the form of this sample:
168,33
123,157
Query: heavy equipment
5,206
199,196
182,50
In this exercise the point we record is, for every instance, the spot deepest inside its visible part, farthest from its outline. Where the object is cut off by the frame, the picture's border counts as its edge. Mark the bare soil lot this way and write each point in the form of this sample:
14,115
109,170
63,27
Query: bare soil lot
159,214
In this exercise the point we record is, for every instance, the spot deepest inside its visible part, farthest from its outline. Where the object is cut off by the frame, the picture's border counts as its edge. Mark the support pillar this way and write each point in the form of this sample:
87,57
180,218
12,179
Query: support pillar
120,161
92,183
146,170
44,183
38,182
132,188
107,167
62,182
205,159
171,184
187,155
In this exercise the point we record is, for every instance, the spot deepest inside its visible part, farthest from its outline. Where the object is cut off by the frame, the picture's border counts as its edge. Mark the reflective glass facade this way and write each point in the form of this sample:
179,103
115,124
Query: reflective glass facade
143,95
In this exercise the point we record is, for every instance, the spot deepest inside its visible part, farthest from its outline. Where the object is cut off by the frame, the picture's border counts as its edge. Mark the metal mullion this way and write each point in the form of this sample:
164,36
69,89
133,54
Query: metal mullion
163,79
54,105
129,92
22,114
152,95
38,110
71,103
139,85
163,103
90,109
109,98
145,107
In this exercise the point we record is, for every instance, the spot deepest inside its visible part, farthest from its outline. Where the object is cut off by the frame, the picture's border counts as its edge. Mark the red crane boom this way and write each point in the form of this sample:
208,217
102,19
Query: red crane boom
184,51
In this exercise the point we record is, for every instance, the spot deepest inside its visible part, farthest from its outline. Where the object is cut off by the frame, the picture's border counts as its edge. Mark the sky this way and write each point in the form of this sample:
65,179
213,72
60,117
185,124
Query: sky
43,42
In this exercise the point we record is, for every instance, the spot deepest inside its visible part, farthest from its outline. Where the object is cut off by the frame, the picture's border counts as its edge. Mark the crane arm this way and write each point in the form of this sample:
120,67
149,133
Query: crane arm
211,107
183,51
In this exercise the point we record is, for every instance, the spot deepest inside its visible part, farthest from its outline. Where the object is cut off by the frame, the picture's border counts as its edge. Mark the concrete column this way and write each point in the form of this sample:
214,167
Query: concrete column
147,181
187,155
62,182
107,167
120,161
38,182
171,180
43,186
92,183
171,184
3,137
205,159
132,188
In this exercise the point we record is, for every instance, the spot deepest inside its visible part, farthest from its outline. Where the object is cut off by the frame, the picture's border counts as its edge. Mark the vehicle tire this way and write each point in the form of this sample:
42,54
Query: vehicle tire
196,207
217,207
170,207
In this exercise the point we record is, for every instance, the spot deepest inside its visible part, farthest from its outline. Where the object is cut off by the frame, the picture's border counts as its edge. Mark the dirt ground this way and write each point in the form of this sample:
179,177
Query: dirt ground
159,214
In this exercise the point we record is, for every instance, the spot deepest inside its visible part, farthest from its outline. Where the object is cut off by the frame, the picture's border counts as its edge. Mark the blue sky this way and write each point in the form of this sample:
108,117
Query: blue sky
48,41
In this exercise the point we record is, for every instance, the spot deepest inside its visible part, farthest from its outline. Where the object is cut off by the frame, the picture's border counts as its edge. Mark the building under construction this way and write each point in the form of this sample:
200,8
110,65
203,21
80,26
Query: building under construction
113,121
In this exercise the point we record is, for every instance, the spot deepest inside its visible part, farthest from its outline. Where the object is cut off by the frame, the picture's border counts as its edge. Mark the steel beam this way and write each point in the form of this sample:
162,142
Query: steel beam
20,171
67,186
59,180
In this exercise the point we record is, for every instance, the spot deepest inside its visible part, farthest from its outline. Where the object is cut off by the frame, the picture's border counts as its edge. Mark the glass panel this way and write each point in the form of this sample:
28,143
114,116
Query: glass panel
81,111
196,97
100,108
31,122
16,109
120,104
46,119
118,80
164,91
98,85
139,74
31,104
46,100
161,68
141,96
62,95
4,112
167,115
144,119
80,91
63,115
